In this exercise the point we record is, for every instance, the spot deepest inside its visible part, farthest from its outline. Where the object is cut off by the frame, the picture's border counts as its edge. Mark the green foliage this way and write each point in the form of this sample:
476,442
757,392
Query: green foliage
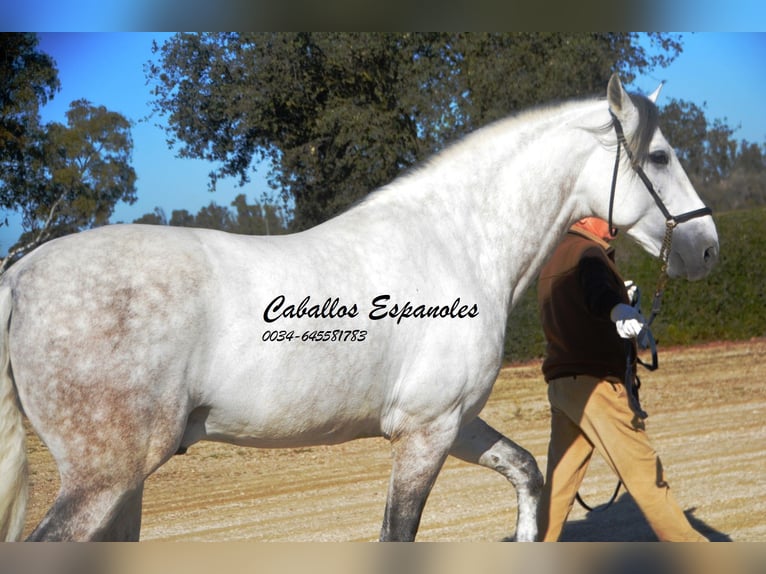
28,79
727,175
339,114
524,338
61,178
744,185
157,217
80,171
260,218
730,304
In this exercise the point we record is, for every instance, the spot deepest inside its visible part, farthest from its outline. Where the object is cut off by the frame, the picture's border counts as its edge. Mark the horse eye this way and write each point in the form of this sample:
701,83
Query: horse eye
659,157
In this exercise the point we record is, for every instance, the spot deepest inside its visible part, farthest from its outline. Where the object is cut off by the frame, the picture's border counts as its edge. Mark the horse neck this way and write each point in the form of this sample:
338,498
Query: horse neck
505,196
492,206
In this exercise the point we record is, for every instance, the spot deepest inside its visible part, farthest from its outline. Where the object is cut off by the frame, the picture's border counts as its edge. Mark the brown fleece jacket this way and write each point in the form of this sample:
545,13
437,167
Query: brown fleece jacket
577,289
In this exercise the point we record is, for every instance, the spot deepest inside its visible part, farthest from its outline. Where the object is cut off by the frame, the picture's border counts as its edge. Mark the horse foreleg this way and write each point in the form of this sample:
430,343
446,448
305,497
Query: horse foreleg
479,443
417,459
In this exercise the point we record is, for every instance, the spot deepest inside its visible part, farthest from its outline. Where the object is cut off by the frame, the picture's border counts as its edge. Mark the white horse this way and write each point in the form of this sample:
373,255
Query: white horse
125,344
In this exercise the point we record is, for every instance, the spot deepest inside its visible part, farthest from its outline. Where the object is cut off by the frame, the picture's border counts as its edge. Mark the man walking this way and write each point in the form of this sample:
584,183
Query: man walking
587,321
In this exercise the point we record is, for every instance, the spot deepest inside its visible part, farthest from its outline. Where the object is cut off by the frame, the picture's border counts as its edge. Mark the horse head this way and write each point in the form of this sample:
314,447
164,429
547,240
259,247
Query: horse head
651,191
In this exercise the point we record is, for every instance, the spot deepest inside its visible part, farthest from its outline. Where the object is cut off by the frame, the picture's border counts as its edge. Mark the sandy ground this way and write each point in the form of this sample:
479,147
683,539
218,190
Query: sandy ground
707,414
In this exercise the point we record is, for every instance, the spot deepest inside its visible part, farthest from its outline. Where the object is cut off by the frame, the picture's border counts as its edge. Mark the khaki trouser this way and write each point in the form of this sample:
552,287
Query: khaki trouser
587,414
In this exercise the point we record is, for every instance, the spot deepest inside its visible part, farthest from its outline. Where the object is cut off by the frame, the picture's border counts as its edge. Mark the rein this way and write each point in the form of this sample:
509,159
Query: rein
632,382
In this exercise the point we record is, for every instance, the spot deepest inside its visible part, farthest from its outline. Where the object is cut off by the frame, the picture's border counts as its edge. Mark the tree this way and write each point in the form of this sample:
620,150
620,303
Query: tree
744,184
726,174
181,218
61,178
751,157
88,163
79,173
685,126
721,151
335,115
260,218
214,216
28,79
157,217
501,73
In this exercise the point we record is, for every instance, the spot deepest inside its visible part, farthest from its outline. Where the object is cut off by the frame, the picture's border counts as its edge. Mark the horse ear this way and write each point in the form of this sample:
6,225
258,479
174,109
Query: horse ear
620,103
653,96
616,95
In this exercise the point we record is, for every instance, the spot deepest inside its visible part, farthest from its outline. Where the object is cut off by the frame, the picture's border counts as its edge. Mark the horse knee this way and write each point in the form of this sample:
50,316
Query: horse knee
516,464
529,469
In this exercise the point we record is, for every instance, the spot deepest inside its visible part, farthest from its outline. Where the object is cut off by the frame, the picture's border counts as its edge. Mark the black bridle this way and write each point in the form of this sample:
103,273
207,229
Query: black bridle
670,219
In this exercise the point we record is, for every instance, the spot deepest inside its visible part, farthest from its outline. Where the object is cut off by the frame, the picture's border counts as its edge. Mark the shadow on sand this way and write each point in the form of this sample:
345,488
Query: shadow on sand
623,522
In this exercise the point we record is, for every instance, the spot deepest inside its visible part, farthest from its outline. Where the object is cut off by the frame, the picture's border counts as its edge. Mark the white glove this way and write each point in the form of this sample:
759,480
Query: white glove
632,288
628,321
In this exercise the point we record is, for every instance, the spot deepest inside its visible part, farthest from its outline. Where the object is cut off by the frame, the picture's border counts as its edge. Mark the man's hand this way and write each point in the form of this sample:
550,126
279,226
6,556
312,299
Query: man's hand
632,289
627,320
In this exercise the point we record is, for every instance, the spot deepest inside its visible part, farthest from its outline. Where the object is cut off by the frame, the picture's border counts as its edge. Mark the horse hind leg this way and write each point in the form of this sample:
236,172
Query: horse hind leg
103,471
102,483
89,514
479,443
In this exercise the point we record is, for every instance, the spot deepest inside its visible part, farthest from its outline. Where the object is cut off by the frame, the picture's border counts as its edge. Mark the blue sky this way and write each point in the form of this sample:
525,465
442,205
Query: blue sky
723,71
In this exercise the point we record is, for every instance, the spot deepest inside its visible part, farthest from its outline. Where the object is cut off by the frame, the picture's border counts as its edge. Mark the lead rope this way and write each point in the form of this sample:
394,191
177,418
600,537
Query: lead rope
600,508
662,281
632,382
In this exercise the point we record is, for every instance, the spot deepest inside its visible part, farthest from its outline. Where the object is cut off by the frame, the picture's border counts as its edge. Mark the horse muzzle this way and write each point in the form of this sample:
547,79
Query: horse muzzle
693,260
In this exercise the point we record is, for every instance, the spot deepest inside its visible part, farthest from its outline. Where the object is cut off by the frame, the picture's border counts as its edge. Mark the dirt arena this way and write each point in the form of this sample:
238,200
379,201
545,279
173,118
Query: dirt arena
707,419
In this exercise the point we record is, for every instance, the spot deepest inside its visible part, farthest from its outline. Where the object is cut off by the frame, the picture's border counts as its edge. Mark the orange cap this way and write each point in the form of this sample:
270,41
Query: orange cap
596,226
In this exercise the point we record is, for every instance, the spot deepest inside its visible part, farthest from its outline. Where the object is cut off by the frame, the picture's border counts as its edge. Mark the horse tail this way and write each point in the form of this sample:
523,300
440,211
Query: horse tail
13,452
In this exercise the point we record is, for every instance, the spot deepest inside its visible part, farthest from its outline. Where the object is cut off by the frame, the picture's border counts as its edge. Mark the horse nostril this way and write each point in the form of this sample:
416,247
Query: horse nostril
711,254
